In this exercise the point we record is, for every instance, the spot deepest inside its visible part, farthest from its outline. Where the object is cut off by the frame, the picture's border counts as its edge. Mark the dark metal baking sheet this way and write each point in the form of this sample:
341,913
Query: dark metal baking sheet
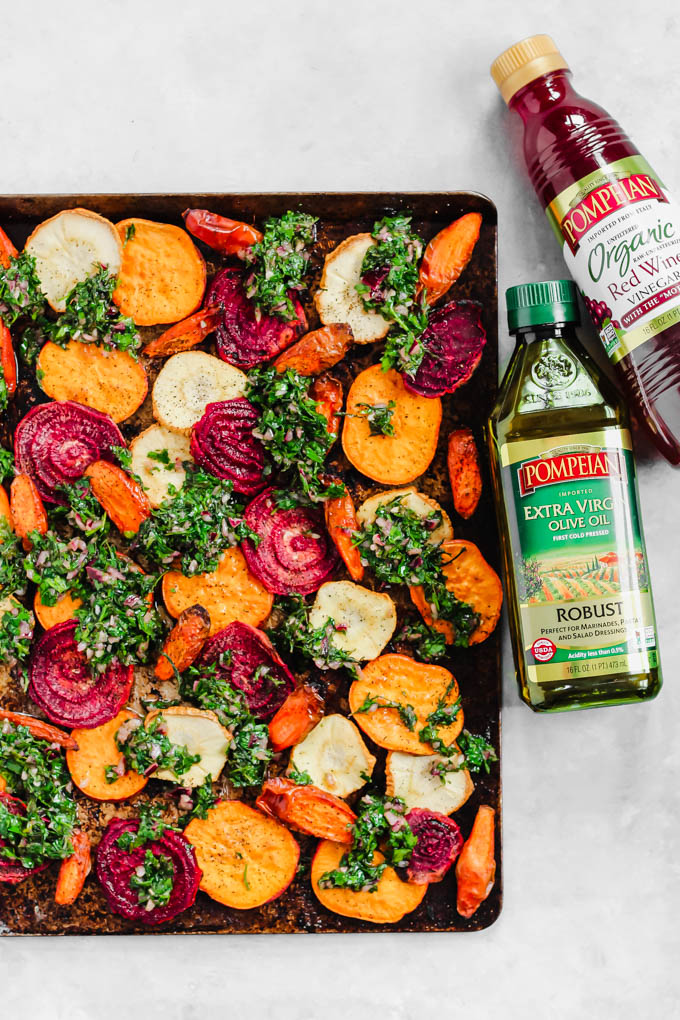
29,908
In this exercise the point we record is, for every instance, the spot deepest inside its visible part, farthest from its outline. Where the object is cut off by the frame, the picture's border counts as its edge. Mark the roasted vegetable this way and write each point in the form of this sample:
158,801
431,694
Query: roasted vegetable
464,472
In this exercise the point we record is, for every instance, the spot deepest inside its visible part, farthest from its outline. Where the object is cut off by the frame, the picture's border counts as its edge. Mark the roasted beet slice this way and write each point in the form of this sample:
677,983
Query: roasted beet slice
56,442
12,872
295,554
439,843
246,337
63,685
252,666
115,868
223,443
454,342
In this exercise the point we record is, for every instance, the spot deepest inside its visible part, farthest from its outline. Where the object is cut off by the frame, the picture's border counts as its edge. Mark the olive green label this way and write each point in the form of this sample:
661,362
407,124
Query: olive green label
580,565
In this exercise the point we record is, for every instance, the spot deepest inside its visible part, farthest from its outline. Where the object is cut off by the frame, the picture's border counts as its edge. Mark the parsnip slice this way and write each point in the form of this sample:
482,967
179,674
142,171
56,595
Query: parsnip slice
335,756
337,299
367,618
155,476
412,500
413,777
201,733
187,383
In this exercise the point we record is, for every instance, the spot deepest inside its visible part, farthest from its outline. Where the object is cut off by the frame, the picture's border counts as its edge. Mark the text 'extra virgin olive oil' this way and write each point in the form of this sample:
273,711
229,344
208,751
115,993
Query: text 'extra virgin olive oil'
579,596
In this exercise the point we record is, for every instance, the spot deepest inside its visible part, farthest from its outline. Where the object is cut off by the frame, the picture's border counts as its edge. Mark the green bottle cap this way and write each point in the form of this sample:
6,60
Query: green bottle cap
538,304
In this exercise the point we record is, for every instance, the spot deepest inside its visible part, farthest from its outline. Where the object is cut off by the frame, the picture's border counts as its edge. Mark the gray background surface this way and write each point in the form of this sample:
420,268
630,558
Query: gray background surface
382,94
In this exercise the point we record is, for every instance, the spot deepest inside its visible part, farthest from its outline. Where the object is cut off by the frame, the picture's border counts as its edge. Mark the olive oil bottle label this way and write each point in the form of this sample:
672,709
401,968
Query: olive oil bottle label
620,232
580,566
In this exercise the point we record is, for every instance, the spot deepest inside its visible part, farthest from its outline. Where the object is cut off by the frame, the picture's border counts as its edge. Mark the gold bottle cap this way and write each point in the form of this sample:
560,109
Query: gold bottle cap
524,62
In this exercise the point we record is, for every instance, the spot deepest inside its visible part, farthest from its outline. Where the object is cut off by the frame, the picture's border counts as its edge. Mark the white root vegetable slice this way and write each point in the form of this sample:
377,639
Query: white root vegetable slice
414,778
155,476
337,299
334,756
201,733
412,500
187,383
367,619
70,247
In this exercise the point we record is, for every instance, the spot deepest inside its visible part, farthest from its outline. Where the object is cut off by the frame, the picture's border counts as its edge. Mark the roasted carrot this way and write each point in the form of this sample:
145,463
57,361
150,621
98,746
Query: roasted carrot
8,360
7,249
41,730
342,524
447,255
123,499
186,334
327,391
5,512
218,232
307,809
27,509
297,717
317,351
184,642
74,870
476,866
464,471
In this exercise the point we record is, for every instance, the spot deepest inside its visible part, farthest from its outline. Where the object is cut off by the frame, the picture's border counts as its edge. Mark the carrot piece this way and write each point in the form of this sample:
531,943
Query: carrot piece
397,459
401,680
186,334
317,351
8,360
447,255
5,512
308,809
162,276
327,391
41,730
110,381
247,859
27,509
123,499
342,524
7,250
94,750
63,609
74,870
228,594
297,717
464,471
225,235
476,866
386,905
184,642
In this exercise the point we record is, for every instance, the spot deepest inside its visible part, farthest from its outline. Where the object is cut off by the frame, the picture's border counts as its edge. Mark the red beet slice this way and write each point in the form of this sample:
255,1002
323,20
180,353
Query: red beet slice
115,868
56,442
63,685
245,337
12,872
454,339
253,667
439,843
295,554
223,443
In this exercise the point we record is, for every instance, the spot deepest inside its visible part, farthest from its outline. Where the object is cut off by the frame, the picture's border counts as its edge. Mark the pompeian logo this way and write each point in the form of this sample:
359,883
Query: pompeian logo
603,201
567,467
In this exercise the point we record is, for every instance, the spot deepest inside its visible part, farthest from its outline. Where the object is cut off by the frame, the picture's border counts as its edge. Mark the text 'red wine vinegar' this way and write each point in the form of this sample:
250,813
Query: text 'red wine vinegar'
618,227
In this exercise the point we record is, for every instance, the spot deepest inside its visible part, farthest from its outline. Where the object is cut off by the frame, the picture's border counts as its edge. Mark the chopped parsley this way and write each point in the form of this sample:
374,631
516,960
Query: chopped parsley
92,317
295,635
16,634
279,263
294,432
428,644
4,392
55,566
12,576
123,456
151,827
21,295
443,715
161,457
379,417
153,880
191,529
202,798
6,464
83,512
301,778
407,713
130,232
477,750
148,748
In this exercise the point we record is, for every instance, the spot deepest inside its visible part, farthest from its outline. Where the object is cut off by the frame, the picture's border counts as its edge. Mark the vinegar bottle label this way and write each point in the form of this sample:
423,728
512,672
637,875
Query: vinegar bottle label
585,606
620,233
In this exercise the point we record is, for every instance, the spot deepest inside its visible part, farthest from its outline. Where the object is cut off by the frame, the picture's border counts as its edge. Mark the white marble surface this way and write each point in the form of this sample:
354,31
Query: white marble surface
124,95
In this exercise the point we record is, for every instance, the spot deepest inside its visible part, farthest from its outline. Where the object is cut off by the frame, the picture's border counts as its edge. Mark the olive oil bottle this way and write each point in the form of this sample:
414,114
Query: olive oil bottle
578,591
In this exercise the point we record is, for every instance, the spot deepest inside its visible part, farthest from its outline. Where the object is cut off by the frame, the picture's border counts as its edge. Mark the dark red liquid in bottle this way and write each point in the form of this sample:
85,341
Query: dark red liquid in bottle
567,138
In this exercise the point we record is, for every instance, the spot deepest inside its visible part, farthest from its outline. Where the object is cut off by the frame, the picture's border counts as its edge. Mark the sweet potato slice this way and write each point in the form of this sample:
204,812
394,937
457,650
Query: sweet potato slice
40,729
342,524
400,679
27,510
397,459
123,499
447,255
464,471
186,334
110,381
391,901
476,866
96,749
317,351
74,870
5,512
63,609
308,809
184,642
297,717
228,594
162,275
246,858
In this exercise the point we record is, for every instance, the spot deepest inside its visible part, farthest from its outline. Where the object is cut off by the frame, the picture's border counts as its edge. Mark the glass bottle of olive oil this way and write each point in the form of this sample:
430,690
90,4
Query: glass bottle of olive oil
579,597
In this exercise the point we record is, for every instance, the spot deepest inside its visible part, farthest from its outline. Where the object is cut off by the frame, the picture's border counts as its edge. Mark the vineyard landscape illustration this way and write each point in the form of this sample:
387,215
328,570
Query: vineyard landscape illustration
559,579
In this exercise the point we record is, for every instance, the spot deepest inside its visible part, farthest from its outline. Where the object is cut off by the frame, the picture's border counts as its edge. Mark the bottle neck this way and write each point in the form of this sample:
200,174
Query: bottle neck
549,331
550,89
